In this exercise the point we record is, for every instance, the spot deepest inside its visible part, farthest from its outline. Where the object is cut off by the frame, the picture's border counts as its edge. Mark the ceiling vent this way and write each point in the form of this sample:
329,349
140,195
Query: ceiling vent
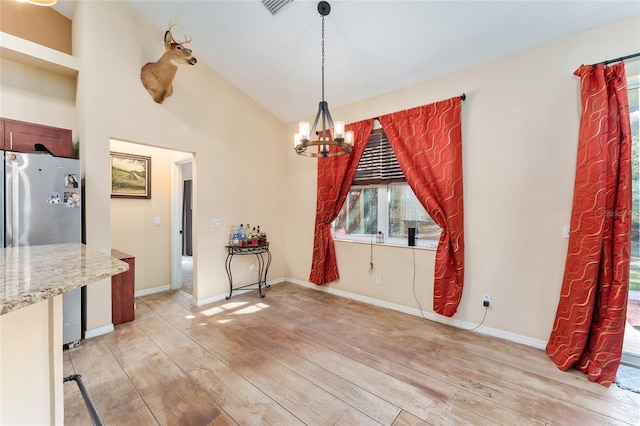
274,6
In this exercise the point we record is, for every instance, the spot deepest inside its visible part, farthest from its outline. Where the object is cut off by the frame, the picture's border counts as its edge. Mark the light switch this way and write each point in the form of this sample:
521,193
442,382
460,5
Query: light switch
215,223
156,221
565,231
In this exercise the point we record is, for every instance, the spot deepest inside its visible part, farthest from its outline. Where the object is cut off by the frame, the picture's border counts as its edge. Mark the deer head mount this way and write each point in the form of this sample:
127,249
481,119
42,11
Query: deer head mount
157,77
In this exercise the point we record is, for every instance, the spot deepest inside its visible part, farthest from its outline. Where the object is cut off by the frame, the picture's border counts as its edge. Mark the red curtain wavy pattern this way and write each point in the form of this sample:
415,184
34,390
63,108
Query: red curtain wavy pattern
588,330
427,141
335,175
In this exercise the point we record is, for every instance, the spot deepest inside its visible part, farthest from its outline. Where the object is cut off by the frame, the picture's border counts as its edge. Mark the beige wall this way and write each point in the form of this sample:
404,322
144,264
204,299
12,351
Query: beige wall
42,25
37,96
132,220
520,129
235,142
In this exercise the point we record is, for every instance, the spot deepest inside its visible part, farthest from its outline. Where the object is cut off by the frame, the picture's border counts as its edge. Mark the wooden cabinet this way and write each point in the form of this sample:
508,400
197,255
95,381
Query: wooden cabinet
24,137
123,290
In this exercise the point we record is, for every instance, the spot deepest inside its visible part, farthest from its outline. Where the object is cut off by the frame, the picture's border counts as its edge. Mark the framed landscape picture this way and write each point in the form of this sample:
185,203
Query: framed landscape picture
130,176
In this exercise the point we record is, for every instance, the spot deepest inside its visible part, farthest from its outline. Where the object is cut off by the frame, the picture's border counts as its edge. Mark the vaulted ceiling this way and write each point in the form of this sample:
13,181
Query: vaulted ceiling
372,47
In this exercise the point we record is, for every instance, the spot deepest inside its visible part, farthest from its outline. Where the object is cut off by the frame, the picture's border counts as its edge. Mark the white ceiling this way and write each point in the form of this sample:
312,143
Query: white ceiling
372,47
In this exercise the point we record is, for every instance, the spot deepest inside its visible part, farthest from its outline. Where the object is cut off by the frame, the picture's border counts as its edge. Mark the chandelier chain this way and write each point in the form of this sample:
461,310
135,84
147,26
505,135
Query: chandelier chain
323,59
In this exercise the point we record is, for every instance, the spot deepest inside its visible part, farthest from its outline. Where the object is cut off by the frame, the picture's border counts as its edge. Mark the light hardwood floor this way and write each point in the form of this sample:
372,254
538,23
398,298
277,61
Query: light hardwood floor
301,356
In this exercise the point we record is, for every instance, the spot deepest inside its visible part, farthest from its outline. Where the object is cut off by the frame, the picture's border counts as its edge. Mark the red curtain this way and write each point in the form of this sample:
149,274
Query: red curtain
589,326
427,141
335,175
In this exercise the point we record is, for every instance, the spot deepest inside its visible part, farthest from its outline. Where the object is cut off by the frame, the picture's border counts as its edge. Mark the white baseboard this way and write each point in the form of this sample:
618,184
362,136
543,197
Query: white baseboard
219,297
148,291
536,343
99,331
211,299
276,281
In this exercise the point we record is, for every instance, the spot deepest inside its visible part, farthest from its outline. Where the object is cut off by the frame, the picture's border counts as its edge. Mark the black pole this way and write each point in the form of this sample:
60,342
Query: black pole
622,58
462,98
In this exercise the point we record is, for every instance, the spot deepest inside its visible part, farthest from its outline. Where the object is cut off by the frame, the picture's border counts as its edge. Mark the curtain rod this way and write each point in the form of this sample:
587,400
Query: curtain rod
622,58
462,98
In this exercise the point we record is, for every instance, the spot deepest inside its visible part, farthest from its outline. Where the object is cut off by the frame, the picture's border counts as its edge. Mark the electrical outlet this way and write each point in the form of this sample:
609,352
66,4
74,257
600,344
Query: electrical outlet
378,279
486,300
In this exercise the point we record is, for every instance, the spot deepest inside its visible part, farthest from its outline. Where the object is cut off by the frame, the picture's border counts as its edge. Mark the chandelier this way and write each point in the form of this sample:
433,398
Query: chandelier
331,134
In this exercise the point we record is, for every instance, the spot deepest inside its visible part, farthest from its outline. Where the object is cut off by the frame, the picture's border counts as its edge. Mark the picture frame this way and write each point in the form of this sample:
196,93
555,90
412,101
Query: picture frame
130,176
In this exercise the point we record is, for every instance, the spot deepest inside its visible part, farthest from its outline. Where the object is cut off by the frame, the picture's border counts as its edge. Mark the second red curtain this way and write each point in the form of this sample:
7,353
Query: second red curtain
427,141
588,331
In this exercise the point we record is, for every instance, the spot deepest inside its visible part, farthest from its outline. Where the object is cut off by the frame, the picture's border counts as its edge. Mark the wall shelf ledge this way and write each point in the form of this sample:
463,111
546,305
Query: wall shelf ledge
29,53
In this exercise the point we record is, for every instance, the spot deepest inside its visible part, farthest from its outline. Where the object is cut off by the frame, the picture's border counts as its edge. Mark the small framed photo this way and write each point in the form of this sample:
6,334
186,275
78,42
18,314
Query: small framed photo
130,176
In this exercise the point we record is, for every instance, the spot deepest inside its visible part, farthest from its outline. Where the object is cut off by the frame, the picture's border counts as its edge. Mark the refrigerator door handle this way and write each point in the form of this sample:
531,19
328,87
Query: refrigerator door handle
14,200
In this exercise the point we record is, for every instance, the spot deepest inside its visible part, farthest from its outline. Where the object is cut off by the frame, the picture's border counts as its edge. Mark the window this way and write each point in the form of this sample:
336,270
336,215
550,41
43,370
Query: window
631,346
381,200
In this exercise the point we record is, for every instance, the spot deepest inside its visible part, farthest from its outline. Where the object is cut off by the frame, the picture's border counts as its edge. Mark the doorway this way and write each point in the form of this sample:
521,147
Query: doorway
145,228
187,220
182,220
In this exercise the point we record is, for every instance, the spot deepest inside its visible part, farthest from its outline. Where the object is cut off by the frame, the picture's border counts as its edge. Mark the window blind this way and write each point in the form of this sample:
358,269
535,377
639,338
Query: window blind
378,163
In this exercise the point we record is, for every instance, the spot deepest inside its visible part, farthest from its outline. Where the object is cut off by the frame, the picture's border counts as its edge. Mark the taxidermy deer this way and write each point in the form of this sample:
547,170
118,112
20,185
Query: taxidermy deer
157,77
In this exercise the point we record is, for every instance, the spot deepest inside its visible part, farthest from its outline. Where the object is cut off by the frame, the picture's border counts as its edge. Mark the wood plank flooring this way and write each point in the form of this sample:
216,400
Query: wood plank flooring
300,356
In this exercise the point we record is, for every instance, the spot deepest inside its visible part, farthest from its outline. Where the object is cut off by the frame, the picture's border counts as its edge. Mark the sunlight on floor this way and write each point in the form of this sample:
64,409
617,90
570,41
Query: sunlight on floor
231,308
251,309
223,308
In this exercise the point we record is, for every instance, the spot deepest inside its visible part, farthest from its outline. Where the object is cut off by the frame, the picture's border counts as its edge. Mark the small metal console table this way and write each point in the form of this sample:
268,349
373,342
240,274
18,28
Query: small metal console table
260,252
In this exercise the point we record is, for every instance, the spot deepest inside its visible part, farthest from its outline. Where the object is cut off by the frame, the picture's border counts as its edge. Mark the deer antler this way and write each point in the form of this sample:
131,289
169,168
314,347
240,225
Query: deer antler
173,40
171,25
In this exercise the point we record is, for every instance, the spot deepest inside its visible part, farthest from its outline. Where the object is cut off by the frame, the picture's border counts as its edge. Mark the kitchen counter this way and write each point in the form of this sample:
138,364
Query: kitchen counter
32,281
31,274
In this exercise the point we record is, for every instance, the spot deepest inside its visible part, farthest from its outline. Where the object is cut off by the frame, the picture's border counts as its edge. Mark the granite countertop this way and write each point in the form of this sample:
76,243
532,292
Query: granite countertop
31,274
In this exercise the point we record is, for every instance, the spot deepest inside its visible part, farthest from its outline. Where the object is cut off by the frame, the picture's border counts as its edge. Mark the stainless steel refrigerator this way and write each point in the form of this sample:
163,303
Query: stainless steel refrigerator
42,204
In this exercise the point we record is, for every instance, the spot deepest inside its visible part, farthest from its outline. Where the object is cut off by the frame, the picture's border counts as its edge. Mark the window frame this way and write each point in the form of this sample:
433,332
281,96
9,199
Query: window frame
379,168
383,221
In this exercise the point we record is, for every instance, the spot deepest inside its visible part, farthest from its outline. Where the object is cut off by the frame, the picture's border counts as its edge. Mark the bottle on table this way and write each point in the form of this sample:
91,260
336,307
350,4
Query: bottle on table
254,237
242,236
233,236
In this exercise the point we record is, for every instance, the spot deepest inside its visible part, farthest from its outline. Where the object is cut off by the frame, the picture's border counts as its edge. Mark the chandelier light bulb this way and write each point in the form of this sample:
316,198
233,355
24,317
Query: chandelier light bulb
339,130
348,137
303,129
